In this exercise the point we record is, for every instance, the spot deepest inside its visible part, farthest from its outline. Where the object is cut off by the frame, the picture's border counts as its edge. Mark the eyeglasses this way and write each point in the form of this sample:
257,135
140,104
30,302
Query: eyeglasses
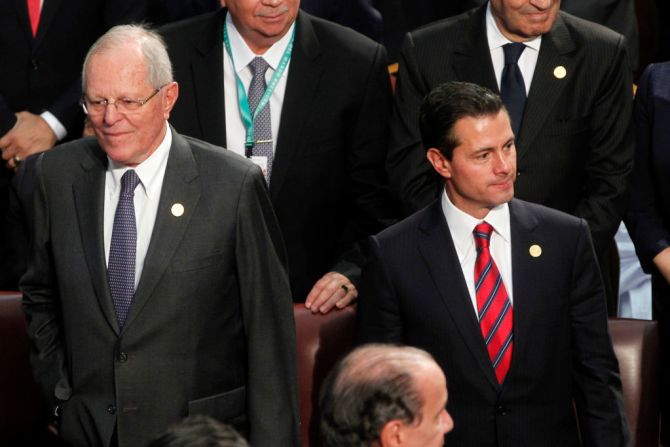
123,105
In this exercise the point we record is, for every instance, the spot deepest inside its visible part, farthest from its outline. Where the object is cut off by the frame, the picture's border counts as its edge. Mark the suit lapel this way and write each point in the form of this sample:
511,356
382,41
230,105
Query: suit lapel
303,79
472,57
546,88
437,248
89,191
49,10
21,7
207,71
179,186
526,297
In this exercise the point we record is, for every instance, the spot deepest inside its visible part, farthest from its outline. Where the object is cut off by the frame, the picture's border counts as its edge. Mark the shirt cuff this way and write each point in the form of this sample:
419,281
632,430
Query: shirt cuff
55,125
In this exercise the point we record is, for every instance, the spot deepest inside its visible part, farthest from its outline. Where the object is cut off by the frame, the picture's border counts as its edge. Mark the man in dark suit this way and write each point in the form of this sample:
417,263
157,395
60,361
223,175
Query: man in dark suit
573,129
514,311
39,83
648,218
328,111
156,286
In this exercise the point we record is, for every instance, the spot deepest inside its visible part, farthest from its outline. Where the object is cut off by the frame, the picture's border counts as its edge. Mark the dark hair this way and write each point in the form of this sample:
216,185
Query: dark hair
370,387
446,104
199,431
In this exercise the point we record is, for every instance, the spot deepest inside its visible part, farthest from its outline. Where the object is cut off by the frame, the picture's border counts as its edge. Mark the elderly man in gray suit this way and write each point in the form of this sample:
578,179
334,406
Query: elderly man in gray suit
156,285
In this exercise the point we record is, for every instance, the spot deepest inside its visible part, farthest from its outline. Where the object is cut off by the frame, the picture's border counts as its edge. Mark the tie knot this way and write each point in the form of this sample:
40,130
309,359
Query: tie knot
482,234
513,52
259,66
129,182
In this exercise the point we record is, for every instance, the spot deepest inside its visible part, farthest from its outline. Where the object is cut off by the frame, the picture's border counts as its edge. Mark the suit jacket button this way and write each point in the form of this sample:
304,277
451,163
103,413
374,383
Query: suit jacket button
123,357
502,410
111,409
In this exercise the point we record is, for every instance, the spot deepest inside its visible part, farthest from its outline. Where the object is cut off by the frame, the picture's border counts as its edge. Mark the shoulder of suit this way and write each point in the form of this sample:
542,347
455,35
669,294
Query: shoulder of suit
211,157
450,27
589,32
543,214
335,38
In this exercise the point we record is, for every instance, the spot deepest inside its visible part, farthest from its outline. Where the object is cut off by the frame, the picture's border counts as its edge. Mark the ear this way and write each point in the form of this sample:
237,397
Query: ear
391,434
440,163
171,95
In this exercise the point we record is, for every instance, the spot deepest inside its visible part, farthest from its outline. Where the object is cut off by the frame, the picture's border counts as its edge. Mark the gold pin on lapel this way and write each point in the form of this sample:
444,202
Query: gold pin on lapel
177,210
560,72
535,251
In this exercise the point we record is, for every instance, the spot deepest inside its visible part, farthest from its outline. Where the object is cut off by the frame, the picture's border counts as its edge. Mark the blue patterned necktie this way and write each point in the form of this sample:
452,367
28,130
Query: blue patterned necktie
121,265
262,123
512,87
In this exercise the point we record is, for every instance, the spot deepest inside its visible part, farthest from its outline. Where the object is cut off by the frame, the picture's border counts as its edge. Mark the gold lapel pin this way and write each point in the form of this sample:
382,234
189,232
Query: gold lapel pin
560,72
535,250
177,210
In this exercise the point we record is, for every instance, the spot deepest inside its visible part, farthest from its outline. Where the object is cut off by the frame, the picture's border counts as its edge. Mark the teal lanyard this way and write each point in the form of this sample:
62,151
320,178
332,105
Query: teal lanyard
245,110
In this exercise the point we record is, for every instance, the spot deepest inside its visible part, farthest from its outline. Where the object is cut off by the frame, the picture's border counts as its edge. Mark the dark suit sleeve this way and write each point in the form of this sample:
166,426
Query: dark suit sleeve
365,160
597,385
411,178
41,305
379,315
609,161
643,220
267,309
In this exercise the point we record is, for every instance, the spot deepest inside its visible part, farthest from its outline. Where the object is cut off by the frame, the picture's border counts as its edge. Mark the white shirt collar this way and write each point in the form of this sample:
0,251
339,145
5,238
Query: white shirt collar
461,224
148,170
242,54
496,39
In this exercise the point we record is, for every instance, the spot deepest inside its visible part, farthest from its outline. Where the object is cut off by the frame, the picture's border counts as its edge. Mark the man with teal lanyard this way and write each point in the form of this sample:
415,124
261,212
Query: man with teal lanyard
308,101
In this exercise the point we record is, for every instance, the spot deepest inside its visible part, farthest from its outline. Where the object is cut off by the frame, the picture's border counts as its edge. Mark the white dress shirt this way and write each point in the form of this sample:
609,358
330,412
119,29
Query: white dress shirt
527,60
461,226
147,194
242,55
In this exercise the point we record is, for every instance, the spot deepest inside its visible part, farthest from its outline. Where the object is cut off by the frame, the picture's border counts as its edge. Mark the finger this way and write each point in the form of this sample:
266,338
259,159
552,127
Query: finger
348,298
315,292
330,296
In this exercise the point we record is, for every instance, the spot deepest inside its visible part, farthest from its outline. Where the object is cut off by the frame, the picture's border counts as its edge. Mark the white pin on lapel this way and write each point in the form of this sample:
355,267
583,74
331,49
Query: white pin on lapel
535,251
560,72
177,210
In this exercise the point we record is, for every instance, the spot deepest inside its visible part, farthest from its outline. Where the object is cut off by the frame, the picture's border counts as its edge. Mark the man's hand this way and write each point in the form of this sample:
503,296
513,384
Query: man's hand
662,263
30,135
332,290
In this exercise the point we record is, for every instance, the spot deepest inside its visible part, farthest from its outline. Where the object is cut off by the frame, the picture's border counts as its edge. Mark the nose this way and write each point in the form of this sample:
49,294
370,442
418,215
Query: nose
111,114
504,162
447,422
542,4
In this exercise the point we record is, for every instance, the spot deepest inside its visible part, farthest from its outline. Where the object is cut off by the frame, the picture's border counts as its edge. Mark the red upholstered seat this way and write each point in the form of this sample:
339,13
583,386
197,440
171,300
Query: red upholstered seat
321,340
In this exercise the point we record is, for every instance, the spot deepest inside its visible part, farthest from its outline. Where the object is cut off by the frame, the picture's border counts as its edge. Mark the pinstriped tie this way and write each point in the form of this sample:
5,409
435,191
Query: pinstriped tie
512,87
262,123
494,309
122,250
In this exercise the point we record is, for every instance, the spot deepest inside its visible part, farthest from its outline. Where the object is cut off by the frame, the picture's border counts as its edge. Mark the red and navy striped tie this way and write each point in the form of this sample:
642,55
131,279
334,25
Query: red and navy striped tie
494,309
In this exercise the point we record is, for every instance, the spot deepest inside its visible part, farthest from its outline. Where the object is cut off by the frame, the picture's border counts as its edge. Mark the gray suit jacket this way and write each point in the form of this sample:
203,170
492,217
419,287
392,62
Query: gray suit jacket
575,148
210,329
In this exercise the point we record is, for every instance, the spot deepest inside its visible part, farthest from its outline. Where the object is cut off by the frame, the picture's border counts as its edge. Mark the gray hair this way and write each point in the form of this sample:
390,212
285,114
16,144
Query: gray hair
371,386
151,45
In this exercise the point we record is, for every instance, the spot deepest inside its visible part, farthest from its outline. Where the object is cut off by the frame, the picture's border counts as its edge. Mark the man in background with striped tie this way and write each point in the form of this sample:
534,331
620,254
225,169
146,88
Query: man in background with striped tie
505,294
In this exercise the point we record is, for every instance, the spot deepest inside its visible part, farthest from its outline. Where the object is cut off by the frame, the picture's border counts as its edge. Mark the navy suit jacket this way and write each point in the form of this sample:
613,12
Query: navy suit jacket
648,218
414,293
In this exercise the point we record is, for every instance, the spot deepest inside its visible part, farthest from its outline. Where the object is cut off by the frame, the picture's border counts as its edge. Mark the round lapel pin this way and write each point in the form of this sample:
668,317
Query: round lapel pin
560,72
177,210
535,250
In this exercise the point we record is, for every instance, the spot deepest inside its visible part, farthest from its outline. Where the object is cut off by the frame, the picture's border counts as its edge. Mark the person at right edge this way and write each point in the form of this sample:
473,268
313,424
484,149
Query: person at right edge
648,218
